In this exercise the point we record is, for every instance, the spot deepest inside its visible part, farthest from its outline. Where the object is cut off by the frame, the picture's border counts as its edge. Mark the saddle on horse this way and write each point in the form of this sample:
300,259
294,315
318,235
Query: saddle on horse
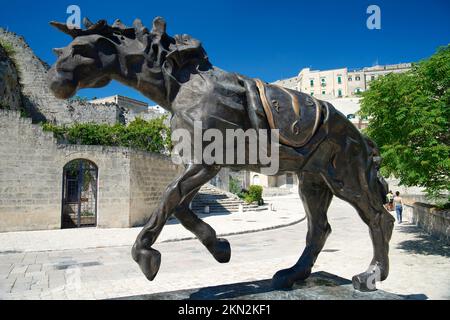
295,114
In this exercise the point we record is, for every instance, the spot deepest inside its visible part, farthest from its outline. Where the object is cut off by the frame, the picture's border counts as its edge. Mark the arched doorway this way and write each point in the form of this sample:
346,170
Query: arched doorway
79,207
256,180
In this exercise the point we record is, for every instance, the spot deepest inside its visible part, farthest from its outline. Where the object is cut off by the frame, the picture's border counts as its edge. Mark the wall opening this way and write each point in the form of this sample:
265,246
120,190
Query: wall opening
79,207
290,180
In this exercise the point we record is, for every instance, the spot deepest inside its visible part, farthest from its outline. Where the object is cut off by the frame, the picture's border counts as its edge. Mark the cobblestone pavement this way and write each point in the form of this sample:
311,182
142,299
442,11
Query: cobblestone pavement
419,264
288,211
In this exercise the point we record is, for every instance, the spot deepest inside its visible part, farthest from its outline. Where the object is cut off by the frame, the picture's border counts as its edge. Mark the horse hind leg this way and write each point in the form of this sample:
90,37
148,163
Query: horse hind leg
316,198
381,224
362,191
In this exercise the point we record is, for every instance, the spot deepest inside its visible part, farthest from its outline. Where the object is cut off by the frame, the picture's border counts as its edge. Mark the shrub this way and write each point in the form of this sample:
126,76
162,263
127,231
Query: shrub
254,194
150,136
235,186
9,48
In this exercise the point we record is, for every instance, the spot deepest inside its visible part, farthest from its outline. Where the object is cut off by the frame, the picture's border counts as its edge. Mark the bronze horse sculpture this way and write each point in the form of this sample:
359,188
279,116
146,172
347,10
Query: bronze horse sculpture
329,154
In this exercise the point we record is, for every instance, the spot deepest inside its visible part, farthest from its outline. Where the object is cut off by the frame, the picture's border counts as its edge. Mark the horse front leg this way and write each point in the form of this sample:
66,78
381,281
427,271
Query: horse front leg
219,248
192,179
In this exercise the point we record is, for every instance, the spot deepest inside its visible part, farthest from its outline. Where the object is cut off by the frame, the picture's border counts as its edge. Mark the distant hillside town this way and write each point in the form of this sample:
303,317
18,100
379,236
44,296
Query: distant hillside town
341,87
339,83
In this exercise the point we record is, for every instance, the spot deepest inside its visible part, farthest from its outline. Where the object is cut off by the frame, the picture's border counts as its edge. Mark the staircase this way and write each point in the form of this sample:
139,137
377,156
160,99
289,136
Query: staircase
220,201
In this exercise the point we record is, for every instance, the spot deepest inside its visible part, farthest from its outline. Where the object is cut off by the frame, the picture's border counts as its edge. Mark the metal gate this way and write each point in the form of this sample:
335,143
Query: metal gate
79,207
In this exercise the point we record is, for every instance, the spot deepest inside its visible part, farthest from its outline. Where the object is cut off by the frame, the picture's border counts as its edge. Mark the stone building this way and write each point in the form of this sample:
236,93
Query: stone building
359,80
132,105
133,108
323,84
339,83
121,186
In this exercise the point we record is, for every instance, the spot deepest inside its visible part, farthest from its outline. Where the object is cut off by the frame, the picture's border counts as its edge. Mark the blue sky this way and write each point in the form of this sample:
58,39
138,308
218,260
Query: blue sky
270,40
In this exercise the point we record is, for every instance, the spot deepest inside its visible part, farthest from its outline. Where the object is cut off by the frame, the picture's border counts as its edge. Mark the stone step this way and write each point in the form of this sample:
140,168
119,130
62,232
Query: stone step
225,210
220,201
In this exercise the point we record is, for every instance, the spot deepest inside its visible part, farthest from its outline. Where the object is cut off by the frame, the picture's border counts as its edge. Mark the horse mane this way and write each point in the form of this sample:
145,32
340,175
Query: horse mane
181,49
102,28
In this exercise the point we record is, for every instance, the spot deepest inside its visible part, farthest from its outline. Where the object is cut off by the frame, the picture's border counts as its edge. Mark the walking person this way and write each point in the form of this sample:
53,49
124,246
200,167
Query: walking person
398,204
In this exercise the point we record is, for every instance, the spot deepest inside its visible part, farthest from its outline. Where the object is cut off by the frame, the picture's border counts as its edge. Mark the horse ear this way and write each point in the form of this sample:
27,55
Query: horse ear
87,23
159,26
64,28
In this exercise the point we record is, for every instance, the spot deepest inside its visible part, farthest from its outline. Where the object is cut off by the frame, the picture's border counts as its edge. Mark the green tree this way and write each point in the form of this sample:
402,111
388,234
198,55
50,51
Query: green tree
410,121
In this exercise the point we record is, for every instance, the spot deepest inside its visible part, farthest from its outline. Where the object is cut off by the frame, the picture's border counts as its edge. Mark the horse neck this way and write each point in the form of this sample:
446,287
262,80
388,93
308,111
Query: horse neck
146,81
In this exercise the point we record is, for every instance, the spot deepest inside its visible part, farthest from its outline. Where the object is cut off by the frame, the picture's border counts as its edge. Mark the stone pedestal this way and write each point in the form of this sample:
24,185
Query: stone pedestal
320,286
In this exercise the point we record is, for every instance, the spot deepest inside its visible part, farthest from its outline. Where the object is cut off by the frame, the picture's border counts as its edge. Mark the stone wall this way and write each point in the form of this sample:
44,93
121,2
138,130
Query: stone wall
150,175
429,219
146,115
10,95
130,183
30,182
40,103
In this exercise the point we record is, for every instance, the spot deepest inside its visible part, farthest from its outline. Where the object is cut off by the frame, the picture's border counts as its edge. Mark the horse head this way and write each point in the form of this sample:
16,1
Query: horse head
134,56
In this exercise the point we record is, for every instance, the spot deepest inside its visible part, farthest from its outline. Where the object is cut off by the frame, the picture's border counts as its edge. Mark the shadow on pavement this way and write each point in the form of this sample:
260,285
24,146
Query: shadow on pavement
320,286
423,243
419,296
232,291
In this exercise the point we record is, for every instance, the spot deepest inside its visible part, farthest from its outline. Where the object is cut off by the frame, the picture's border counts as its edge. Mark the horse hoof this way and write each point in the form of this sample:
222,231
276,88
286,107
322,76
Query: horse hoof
364,282
221,251
149,260
285,279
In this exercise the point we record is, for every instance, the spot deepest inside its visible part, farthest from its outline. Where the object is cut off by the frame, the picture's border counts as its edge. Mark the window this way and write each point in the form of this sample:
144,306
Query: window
339,93
72,190
357,78
339,80
351,116
312,93
372,78
358,90
311,82
323,92
350,79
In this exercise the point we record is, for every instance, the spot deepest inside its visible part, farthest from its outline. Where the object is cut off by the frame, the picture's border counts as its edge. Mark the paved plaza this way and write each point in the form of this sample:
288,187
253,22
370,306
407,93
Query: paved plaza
71,267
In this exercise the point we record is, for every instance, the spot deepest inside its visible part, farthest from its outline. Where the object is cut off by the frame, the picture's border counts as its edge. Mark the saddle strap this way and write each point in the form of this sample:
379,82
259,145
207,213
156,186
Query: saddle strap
295,106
